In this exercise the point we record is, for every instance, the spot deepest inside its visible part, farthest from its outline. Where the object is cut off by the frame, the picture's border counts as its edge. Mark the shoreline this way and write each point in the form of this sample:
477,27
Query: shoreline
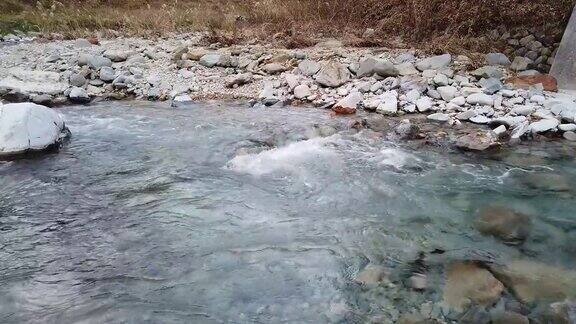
505,98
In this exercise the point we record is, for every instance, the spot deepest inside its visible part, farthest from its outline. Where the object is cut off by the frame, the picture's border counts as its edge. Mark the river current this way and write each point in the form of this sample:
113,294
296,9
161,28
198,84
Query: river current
222,213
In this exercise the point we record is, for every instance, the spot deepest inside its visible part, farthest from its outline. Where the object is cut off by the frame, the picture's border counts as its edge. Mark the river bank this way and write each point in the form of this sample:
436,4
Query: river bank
487,103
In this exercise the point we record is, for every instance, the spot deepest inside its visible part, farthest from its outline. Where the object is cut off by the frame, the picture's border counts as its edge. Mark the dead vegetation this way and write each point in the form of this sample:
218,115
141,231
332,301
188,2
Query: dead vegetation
437,25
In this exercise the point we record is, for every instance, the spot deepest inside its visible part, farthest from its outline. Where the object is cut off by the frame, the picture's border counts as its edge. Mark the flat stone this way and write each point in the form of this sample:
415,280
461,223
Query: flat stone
406,69
273,68
567,127
439,117
480,99
525,82
544,125
570,136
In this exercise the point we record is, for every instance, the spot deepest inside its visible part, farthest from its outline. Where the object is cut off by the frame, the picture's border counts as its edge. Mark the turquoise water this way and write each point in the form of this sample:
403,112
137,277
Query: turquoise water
220,213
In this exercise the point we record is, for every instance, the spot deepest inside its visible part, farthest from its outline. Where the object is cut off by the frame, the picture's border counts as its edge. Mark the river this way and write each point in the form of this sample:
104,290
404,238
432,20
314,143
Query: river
221,213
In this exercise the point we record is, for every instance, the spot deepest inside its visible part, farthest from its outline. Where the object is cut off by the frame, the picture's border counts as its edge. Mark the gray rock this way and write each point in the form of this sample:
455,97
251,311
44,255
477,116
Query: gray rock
239,80
407,130
53,58
447,93
82,43
405,58
42,99
434,62
466,115
29,127
406,69
332,74
302,91
520,63
371,275
117,56
488,72
366,67
491,86
441,80
497,59
96,61
439,117
500,130
273,68
424,104
210,60
77,80
107,74
308,67
385,69
480,119
508,225
509,121
79,95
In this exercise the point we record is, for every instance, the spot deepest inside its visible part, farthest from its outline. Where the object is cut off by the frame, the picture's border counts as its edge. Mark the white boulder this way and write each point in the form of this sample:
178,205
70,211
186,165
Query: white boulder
28,127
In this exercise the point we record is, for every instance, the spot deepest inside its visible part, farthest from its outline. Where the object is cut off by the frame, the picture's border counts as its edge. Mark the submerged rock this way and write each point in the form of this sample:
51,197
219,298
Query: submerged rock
371,275
28,127
503,223
468,284
532,281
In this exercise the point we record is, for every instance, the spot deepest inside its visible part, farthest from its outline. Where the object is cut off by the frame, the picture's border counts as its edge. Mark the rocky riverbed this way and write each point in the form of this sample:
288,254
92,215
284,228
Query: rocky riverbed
506,95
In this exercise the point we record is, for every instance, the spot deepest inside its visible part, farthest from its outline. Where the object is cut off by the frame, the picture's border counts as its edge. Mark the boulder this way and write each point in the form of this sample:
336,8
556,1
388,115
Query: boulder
469,284
77,80
488,72
348,104
503,223
497,59
439,117
434,62
332,74
424,104
28,127
366,67
406,69
96,62
385,69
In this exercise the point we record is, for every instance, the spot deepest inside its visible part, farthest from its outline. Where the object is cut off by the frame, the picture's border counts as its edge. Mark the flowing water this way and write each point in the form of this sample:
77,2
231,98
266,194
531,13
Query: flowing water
220,213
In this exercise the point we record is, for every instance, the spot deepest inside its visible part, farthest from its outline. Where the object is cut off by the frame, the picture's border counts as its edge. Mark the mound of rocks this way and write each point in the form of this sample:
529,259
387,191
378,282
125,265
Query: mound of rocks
27,127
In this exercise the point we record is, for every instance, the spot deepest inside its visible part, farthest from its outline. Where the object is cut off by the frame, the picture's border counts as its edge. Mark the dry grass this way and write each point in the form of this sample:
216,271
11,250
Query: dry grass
295,23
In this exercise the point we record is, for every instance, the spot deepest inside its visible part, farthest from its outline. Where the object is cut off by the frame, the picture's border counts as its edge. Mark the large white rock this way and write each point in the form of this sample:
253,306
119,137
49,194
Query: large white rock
434,62
29,127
